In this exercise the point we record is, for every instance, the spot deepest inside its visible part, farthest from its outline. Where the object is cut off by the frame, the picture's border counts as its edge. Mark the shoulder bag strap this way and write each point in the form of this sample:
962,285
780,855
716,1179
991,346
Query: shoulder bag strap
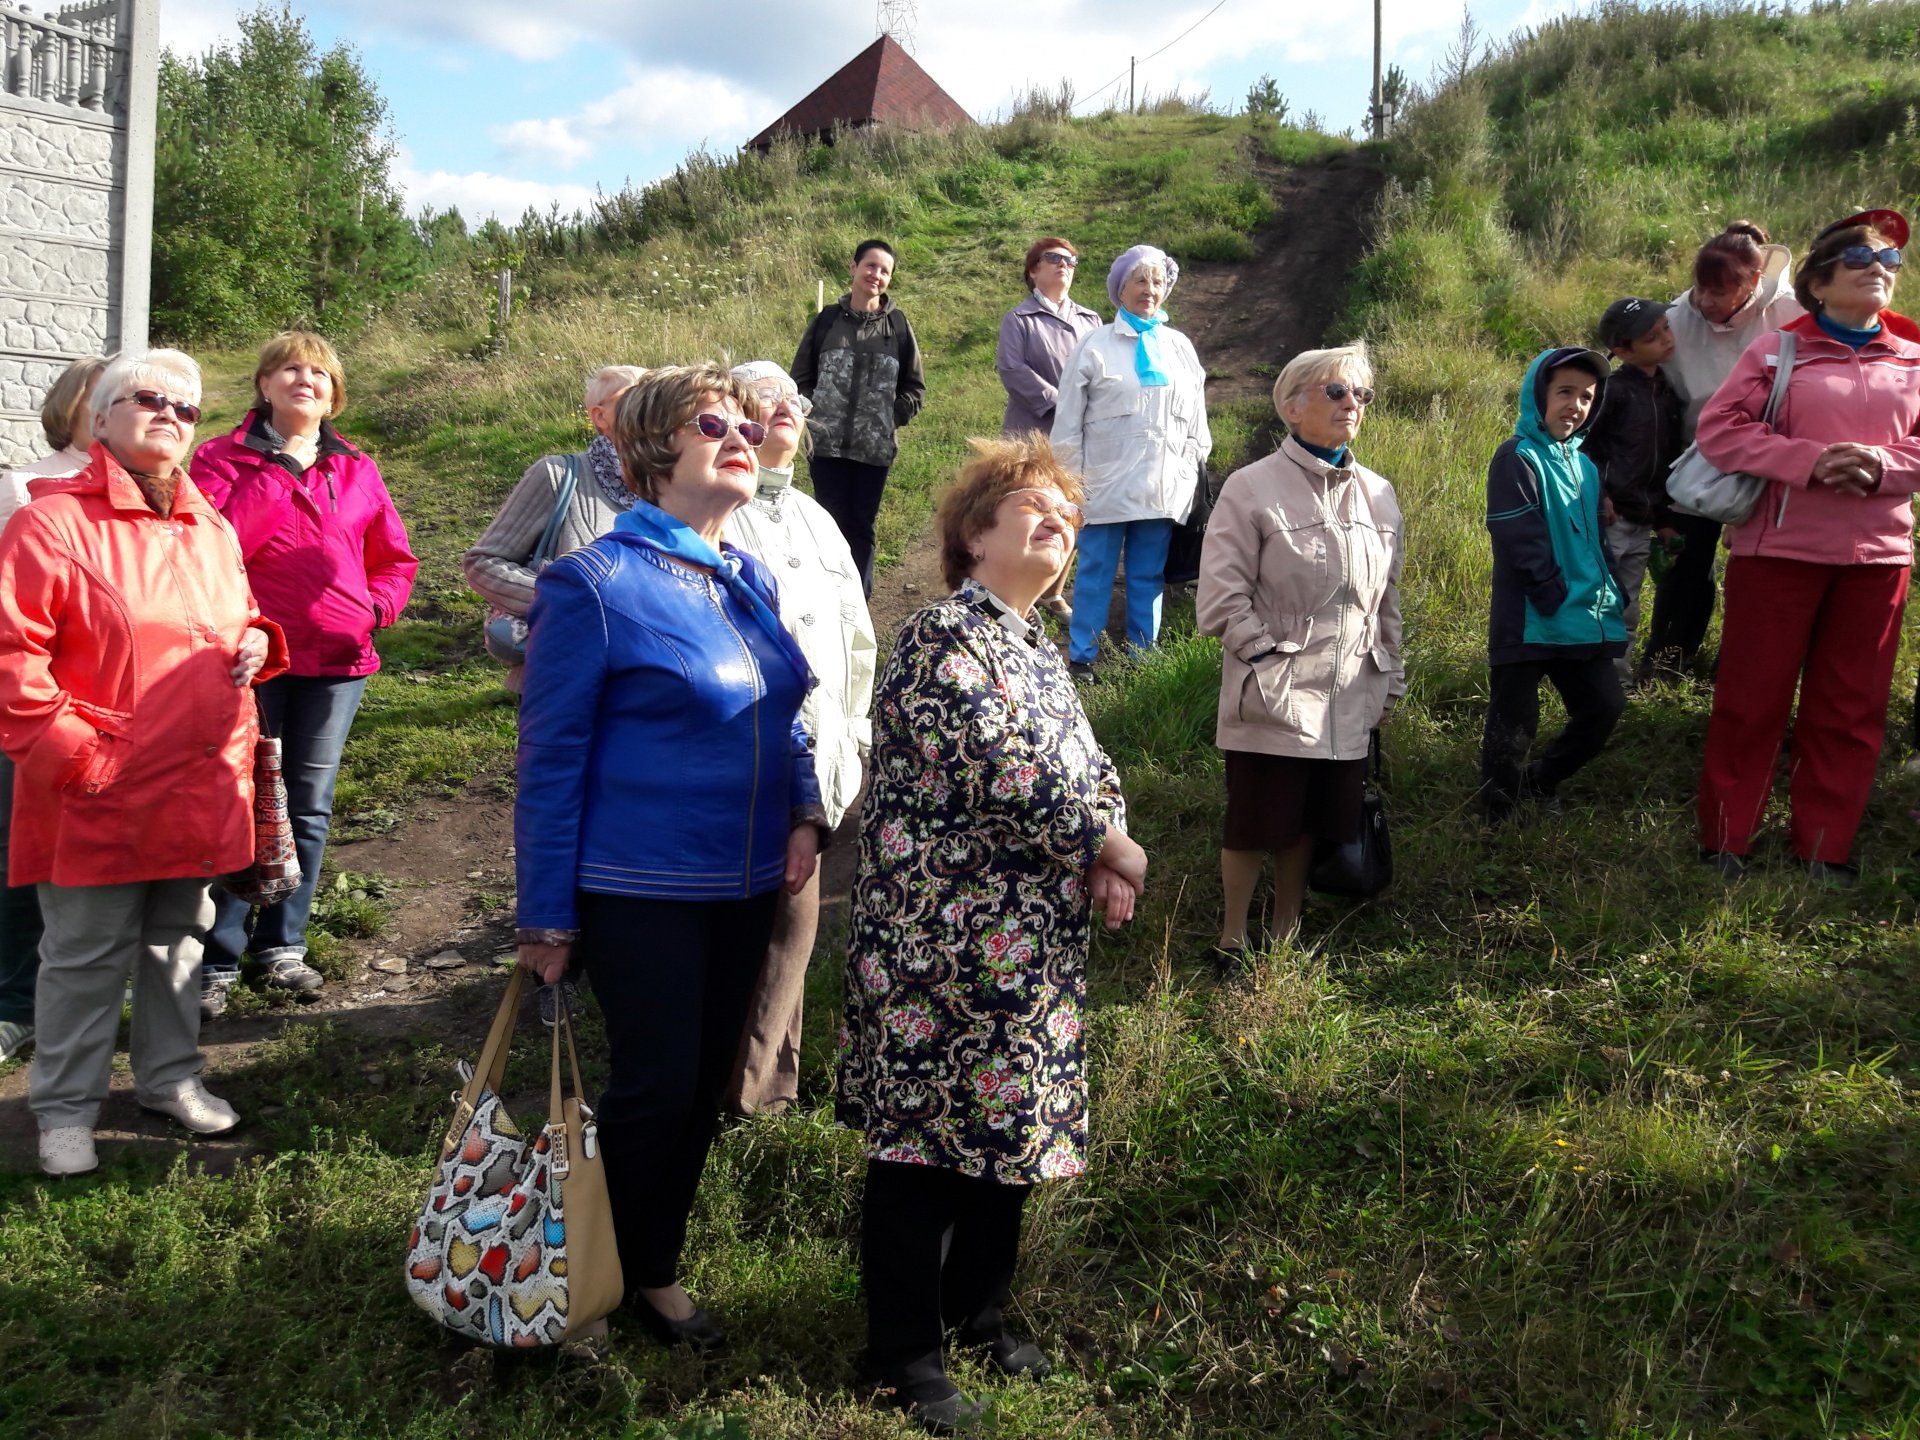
493,1063
556,1098
1782,373
569,482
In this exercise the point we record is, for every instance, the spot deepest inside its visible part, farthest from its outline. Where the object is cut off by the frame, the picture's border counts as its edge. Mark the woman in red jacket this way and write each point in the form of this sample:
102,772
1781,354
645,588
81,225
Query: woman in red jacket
1818,579
329,561
127,641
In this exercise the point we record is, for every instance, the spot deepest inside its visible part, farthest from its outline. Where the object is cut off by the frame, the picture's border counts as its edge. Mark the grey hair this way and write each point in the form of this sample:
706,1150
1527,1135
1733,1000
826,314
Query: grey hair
1311,367
167,370
610,380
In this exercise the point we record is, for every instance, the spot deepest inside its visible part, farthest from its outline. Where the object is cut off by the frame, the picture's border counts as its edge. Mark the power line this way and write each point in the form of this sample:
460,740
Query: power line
1156,54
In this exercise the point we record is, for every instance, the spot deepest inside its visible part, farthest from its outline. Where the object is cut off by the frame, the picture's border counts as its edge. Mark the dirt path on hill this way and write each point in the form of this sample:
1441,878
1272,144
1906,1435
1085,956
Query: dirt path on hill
450,862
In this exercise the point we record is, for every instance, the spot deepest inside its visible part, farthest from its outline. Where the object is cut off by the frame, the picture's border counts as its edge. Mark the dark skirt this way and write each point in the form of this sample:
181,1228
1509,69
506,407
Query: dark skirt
1276,801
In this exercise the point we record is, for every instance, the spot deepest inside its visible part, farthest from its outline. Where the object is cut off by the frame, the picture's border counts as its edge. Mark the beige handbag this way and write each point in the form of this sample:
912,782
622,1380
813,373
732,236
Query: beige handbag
514,1246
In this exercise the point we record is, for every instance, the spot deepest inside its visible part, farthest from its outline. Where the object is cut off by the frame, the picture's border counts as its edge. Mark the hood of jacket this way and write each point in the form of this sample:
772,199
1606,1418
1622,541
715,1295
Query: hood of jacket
1775,263
1530,427
864,317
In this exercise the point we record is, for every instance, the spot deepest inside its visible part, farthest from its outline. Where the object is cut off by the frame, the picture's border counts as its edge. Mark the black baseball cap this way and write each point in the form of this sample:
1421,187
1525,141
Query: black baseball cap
1627,320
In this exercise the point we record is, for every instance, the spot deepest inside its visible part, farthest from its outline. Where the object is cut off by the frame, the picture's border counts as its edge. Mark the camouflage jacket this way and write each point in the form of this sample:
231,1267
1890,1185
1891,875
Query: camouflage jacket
861,370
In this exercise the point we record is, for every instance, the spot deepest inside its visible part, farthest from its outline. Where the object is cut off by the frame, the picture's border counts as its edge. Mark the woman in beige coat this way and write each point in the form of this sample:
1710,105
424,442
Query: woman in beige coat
1300,579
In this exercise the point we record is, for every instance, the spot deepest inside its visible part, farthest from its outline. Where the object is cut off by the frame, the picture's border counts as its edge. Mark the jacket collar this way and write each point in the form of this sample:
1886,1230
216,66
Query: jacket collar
1032,306
1314,465
258,435
105,475
846,305
1892,339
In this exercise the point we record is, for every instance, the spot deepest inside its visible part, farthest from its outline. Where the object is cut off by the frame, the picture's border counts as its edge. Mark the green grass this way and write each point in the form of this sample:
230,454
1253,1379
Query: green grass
1558,1138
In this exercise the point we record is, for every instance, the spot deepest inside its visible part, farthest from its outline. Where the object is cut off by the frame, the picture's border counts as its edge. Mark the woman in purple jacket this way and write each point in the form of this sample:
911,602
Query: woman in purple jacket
329,562
1036,336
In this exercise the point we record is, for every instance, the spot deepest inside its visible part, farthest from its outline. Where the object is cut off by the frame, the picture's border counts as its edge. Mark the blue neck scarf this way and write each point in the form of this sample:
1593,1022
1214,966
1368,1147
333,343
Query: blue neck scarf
1332,457
658,529
1146,355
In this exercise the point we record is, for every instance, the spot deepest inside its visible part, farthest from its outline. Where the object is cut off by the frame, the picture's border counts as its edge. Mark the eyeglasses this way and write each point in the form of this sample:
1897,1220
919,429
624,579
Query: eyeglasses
1335,391
1059,257
1859,257
715,427
154,403
1047,503
772,396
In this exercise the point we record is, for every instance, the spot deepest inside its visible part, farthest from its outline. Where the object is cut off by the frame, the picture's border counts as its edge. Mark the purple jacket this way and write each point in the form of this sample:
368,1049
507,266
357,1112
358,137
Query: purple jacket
325,551
1034,345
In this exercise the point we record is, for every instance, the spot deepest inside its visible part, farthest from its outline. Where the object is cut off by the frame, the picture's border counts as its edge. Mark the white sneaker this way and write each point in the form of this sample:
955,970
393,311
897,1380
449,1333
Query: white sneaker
194,1108
68,1150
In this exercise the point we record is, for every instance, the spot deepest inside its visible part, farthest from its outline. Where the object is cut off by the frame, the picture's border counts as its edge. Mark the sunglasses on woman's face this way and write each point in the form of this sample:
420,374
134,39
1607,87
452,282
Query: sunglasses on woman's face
1046,502
1859,257
1056,257
715,427
1335,391
154,403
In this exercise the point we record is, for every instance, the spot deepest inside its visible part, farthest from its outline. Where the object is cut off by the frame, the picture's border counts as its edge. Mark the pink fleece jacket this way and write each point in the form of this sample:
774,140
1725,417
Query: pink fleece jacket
1869,396
325,550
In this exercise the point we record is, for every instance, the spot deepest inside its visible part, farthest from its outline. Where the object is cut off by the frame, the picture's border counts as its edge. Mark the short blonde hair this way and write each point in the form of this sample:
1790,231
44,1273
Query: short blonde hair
1312,367
309,348
166,370
610,380
995,470
652,412
60,412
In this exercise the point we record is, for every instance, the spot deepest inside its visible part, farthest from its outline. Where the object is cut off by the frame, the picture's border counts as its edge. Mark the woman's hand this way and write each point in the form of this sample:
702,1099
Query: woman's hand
1124,858
803,856
549,962
1848,468
248,659
1111,894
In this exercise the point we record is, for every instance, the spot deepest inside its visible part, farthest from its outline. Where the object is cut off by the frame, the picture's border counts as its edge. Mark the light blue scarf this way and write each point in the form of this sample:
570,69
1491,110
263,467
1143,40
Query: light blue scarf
654,526
1147,354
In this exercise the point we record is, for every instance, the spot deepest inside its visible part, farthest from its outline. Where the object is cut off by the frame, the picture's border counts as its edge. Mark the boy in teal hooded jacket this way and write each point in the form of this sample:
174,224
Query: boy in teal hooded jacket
1557,608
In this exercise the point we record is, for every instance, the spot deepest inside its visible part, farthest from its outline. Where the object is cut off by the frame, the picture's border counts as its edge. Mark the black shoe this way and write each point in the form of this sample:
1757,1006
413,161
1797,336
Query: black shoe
1724,863
699,1331
1012,1355
1834,874
1080,669
936,1406
1229,961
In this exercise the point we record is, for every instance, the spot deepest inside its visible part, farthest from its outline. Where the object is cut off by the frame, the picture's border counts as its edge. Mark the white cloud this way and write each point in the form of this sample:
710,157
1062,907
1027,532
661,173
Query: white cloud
190,28
675,107
479,194
536,142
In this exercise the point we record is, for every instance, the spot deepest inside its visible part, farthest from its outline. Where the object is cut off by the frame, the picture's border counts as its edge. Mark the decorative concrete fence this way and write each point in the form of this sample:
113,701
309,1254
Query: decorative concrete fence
77,91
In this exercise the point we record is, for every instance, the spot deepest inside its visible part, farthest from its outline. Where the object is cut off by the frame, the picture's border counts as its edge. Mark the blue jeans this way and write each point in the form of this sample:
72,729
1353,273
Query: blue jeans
311,715
1146,544
19,922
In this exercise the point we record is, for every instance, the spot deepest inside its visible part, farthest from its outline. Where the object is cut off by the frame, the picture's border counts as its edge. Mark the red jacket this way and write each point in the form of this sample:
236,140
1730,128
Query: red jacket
1869,396
118,630
326,552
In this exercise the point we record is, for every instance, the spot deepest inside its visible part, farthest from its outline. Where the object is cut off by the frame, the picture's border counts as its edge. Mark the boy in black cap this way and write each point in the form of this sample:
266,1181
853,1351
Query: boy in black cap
1633,443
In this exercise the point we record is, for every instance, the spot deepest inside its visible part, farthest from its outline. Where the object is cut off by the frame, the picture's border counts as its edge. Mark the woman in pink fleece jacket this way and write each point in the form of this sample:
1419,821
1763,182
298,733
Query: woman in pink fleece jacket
1818,580
329,562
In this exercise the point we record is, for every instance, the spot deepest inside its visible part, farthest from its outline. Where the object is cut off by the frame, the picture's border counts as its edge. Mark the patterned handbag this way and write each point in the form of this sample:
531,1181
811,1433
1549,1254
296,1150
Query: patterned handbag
275,871
514,1246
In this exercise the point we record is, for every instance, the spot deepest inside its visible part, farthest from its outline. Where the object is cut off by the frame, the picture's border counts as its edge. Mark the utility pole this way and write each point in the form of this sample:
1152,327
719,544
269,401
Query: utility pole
1379,116
1130,64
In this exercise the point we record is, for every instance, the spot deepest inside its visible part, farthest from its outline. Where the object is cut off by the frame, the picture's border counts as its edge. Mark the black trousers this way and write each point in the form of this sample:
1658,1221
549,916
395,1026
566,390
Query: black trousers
674,979
850,492
1683,602
1590,689
937,1251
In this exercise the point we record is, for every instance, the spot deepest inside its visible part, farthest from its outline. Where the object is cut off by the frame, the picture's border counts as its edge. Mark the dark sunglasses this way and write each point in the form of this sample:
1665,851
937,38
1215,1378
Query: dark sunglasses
1859,257
1334,390
1060,258
715,427
154,403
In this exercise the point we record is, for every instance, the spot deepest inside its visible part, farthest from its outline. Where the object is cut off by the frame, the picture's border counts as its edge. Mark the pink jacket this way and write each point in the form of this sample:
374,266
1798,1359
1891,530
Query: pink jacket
118,631
326,552
1869,396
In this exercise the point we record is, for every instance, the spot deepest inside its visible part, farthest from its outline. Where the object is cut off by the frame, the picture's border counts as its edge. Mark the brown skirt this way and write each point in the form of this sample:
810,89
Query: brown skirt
1275,801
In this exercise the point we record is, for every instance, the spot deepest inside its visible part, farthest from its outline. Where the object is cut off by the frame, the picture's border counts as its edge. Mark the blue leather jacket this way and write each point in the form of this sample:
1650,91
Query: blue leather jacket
661,751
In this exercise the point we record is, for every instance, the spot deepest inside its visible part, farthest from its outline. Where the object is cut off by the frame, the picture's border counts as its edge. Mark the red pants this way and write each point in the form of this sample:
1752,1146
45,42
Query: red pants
1835,629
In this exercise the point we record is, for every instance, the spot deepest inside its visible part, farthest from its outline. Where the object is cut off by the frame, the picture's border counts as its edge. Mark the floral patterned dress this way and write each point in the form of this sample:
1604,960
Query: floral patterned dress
967,955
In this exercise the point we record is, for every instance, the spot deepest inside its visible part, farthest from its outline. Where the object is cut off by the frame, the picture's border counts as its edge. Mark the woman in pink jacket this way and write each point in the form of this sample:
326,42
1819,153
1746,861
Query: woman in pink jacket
1818,580
329,561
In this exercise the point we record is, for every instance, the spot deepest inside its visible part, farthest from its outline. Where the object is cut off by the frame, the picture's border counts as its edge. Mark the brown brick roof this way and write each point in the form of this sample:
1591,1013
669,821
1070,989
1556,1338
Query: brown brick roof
882,83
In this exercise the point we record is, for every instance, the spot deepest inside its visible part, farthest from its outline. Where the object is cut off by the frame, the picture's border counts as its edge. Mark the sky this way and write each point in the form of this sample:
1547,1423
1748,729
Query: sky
499,105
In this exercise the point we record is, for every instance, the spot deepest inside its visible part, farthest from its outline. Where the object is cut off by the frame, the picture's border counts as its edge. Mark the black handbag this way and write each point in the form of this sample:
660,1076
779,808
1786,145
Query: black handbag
1183,550
1363,866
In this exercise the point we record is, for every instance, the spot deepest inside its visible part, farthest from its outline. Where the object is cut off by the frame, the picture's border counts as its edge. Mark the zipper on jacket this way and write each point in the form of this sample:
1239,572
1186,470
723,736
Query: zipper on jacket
746,872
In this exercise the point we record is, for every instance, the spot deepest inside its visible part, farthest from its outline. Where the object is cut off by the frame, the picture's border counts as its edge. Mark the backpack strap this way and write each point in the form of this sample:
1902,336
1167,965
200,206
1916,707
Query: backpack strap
550,539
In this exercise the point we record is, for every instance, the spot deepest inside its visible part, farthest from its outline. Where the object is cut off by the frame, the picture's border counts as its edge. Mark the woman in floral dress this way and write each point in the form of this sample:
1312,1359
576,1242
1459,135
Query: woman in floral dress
994,827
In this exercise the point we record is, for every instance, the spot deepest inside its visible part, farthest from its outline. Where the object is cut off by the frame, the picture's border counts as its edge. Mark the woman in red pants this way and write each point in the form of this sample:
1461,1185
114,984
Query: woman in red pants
1818,579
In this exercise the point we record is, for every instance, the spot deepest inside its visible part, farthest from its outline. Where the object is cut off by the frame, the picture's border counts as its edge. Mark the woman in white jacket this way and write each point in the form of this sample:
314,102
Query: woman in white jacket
1132,420
823,604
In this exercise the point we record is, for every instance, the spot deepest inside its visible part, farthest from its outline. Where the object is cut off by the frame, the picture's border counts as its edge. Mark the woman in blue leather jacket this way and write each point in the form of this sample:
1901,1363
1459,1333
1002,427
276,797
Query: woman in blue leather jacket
666,793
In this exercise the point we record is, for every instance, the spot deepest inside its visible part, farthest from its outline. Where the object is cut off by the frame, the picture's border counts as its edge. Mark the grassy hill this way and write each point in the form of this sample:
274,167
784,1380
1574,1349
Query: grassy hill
1560,1138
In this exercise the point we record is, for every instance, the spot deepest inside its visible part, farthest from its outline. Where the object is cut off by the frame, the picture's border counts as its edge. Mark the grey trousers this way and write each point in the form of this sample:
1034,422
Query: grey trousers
1631,544
767,1073
95,935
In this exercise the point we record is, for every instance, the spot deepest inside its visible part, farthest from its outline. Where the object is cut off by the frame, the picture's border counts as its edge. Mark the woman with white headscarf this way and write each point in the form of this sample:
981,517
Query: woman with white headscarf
1132,419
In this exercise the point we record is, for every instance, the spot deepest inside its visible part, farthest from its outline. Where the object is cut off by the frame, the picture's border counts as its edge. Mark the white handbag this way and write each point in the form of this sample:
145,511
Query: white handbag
1699,487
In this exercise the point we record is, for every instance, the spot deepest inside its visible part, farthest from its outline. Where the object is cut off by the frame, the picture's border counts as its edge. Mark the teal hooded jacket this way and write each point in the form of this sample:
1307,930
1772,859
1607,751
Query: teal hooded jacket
1555,594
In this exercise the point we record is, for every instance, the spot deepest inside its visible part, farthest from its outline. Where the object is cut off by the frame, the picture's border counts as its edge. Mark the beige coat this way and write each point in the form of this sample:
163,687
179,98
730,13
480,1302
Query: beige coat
1300,579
